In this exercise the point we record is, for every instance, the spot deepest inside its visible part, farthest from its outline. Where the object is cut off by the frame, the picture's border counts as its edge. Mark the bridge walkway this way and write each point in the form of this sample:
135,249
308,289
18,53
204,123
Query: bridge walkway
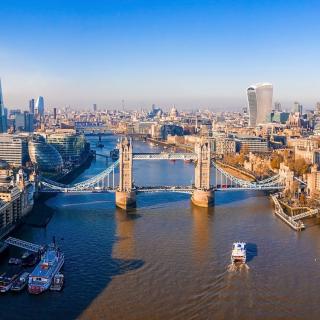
23,244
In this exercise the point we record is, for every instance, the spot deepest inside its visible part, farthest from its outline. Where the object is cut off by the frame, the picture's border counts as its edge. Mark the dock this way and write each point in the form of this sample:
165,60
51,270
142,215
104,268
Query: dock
293,221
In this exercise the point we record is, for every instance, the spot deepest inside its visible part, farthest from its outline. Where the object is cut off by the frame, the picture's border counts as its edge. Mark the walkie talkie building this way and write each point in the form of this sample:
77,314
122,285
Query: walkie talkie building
260,102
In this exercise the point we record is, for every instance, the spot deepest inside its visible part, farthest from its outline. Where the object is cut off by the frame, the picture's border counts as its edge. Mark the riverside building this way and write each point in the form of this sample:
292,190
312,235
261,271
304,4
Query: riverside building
44,155
16,198
71,146
14,149
251,144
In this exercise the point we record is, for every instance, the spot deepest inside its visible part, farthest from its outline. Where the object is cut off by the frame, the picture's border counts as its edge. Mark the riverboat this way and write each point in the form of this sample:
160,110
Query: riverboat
21,282
50,264
7,279
239,254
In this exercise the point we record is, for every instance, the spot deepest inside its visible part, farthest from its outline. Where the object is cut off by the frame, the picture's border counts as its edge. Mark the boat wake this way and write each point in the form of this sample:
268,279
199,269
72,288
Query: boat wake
234,267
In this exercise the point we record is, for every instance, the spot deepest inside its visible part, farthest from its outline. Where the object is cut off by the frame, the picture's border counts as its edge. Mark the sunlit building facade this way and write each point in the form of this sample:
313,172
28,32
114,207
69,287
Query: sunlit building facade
39,108
44,155
14,149
260,103
71,146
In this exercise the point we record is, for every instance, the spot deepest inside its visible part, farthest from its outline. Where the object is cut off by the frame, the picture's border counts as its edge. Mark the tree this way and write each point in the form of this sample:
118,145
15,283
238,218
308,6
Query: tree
300,167
275,162
302,199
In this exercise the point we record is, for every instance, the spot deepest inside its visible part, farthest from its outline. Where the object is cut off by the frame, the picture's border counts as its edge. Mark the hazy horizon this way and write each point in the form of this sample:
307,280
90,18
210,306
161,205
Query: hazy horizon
193,54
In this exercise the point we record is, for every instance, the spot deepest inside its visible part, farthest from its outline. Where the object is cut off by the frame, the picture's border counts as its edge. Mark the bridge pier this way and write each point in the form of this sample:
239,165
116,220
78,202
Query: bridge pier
203,198
126,199
203,194
125,195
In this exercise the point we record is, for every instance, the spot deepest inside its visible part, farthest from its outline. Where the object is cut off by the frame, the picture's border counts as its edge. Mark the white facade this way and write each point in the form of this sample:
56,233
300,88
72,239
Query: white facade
260,103
39,108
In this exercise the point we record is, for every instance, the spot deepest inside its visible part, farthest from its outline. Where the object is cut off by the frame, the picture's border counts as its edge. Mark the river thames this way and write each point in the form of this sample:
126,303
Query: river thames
169,259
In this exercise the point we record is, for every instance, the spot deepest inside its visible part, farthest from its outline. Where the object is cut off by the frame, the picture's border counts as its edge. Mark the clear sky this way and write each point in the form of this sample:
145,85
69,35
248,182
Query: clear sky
188,53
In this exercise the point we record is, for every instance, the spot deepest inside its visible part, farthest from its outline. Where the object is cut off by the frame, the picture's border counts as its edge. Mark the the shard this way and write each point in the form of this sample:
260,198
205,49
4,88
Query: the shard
3,117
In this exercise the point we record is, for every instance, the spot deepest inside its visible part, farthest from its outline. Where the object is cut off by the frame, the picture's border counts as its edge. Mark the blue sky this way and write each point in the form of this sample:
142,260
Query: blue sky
188,53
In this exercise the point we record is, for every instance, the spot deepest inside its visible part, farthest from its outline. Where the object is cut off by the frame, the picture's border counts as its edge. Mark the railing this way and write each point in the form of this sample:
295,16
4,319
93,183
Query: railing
306,214
23,244
281,214
164,156
101,182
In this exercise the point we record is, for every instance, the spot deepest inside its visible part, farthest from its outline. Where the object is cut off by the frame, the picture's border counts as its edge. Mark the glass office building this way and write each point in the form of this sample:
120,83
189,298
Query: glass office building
44,155
260,103
71,146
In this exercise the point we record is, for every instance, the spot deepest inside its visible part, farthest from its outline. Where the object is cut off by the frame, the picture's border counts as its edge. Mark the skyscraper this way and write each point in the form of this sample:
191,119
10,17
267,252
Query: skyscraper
31,106
297,107
3,117
260,102
277,106
39,109
94,107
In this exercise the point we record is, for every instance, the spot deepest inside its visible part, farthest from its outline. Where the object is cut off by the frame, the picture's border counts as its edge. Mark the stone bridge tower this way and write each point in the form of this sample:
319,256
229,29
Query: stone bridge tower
203,195
125,195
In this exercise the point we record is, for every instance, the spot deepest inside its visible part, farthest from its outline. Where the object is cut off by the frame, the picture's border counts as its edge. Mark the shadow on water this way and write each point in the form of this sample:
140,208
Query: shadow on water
89,239
252,251
226,197
162,198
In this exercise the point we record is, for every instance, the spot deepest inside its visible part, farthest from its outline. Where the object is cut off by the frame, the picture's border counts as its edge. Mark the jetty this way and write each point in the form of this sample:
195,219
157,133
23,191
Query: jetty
293,221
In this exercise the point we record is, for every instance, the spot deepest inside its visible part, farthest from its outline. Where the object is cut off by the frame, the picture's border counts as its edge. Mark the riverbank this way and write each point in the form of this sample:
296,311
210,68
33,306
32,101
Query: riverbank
162,143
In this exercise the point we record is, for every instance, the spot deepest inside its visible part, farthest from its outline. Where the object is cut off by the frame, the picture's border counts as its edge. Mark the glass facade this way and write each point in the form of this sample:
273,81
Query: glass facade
260,103
45,155
71,146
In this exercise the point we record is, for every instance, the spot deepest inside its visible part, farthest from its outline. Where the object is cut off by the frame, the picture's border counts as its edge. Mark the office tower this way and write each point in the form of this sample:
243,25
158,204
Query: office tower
28,122
31,106
3,113
24,122
39,108
297,107
19,122
71,146
260,103
94,107
54,113
277,106
46,156
14,149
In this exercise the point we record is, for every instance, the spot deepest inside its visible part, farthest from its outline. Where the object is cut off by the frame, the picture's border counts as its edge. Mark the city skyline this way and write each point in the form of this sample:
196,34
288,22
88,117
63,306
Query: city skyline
188,53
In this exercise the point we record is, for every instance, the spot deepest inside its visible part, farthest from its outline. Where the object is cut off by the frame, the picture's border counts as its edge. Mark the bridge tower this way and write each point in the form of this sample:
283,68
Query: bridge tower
125,195
203,194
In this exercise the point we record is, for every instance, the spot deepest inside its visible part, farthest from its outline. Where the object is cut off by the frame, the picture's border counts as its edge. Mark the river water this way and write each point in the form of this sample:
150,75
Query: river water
169,259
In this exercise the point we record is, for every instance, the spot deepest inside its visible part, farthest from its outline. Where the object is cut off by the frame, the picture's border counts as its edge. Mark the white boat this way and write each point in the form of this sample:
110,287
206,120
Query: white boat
239,254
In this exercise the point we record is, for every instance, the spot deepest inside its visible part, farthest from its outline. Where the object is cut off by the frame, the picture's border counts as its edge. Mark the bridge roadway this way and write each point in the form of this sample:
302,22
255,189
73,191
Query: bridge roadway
159,156
101,183
155,189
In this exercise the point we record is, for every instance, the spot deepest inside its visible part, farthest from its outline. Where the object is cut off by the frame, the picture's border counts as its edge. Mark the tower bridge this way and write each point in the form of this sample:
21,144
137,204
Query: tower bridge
202,191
